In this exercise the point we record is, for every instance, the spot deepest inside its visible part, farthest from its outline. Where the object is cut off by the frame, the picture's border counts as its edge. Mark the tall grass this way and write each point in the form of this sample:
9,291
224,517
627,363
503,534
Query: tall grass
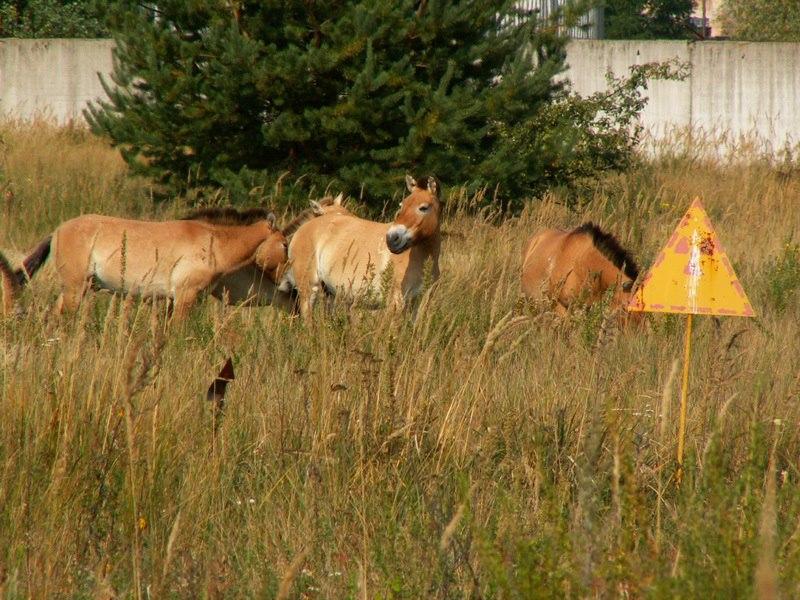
482,449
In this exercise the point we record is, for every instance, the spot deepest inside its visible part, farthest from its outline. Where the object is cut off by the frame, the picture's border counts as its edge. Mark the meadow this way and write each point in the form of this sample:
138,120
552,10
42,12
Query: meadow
484,449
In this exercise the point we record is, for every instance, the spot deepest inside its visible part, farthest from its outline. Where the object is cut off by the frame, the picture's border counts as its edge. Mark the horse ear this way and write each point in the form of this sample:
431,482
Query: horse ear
411,183
433,186
339,199
316,208
271,219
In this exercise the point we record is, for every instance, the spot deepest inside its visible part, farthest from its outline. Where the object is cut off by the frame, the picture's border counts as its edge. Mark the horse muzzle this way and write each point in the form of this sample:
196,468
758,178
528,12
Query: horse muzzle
398,238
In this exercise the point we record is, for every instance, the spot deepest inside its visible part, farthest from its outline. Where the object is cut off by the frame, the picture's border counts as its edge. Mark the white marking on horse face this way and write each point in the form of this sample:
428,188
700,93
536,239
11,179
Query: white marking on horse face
399,238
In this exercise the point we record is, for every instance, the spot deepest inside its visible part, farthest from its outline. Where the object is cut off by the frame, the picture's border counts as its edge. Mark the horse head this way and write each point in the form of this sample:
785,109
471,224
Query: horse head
271,255
418,217
621,297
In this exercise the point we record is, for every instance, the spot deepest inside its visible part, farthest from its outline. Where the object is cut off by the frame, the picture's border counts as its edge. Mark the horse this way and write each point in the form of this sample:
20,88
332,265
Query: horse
358,260
577,267
250,286
158,259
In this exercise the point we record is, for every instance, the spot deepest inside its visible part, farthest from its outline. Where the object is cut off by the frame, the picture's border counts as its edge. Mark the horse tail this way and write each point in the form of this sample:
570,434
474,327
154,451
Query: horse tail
13,280
35,260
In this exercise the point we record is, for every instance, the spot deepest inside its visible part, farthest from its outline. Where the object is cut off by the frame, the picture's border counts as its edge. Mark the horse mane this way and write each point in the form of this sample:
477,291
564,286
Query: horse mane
610,247
306,215
228,215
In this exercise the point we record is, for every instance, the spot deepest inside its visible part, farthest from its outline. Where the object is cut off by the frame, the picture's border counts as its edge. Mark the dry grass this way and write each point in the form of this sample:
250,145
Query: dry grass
481,450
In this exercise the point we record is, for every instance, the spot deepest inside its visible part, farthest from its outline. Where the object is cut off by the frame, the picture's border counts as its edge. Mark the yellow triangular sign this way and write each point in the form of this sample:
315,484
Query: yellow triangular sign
692,274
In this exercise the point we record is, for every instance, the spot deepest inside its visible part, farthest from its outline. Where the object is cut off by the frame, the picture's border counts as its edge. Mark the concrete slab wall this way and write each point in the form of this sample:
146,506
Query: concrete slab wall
735,88
669,104
747,88
51,78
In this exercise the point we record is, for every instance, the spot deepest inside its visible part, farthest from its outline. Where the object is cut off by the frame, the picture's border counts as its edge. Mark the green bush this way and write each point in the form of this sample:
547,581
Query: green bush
761,20
575,138
52,18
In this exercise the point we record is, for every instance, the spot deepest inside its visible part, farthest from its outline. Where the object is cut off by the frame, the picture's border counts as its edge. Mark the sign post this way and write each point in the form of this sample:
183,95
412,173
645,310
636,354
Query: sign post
692,275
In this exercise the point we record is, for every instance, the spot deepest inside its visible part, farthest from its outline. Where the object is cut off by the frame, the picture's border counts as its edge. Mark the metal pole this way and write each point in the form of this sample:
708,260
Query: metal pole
684,394
704,19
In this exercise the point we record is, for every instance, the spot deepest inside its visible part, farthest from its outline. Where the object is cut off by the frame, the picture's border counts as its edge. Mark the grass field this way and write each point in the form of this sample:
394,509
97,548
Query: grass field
483,450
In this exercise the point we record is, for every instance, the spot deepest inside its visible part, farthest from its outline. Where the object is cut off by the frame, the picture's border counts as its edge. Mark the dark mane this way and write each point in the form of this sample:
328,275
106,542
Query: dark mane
228,215
304,216
611,248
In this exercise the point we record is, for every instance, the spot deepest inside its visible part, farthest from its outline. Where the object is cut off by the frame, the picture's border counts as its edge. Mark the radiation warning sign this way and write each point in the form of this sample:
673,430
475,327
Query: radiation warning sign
692,274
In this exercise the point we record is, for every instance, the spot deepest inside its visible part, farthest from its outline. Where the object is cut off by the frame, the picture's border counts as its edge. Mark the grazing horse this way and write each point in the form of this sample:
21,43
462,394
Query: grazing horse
167,259
357,260
577,266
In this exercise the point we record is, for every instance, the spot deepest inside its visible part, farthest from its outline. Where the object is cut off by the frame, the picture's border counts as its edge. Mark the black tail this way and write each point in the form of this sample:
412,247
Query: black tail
13,280
34,261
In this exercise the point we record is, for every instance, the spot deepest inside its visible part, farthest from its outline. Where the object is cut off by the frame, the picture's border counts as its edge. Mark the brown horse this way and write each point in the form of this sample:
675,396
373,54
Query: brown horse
578,266
251,286
169,259
355,260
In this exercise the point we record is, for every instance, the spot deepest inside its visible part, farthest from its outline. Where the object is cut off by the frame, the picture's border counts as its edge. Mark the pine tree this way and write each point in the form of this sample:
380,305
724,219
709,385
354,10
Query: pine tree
352,93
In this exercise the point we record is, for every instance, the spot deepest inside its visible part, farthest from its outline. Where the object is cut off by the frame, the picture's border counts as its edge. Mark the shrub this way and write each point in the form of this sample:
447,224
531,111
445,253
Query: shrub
52,18
575,137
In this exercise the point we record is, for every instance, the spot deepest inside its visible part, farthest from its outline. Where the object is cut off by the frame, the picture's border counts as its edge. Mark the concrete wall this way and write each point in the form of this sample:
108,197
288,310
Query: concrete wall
51,78
747,88
670,101
735,88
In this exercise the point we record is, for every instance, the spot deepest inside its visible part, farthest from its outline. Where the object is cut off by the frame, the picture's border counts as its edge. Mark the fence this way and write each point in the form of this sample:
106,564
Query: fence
589,26
51,78
735,88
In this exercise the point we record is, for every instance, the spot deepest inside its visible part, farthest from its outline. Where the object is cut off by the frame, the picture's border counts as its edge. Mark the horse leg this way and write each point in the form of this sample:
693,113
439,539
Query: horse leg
69,299
74,273
406,281
183,303
561,309
308,286
182,306
307,300
180,309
